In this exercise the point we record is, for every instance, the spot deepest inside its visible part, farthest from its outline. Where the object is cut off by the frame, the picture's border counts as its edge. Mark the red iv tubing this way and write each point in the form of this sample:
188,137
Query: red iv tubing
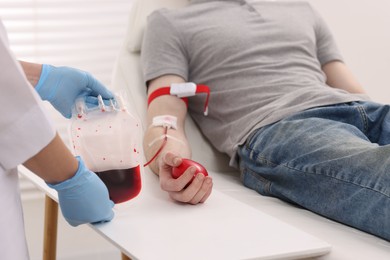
161,147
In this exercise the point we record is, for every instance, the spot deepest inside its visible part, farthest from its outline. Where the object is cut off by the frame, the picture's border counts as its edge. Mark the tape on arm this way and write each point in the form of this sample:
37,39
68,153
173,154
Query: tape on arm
164,121
167,122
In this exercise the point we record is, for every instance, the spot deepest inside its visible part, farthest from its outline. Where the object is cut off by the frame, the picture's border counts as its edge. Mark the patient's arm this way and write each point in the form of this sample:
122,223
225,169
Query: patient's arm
175,149
339,76
166,105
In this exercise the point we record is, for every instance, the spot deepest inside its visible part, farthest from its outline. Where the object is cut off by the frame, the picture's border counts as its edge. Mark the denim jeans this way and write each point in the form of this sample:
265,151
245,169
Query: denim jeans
333,160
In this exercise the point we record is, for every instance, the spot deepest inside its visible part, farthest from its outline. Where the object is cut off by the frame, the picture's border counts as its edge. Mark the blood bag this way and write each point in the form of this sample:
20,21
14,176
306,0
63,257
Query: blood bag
107,137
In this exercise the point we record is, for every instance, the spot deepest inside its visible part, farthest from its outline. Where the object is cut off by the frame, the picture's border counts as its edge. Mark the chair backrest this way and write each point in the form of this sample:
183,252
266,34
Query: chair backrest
128,79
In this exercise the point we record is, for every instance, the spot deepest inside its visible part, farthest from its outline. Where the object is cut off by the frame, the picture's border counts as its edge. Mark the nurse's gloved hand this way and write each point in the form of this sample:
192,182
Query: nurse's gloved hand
84,198
61,86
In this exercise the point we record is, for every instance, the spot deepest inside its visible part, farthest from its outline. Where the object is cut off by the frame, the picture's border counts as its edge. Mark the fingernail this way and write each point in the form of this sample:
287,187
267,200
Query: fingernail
176,161
200,176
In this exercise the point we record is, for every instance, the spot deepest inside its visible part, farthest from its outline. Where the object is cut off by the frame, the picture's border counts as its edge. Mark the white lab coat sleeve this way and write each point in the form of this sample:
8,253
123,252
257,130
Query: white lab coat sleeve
25,128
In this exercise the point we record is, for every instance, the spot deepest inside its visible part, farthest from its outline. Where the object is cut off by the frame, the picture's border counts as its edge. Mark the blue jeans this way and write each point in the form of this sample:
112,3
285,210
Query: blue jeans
332,160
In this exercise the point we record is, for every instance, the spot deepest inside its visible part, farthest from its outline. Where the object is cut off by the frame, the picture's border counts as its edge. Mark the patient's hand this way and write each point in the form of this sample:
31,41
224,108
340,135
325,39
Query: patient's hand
182,189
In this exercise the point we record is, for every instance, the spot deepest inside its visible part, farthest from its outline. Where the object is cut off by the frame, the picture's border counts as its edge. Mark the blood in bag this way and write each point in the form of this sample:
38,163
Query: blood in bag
122,184
107,138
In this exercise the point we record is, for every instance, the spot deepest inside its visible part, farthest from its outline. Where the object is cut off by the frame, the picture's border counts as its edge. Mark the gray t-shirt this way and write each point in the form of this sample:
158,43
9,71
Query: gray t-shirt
261,60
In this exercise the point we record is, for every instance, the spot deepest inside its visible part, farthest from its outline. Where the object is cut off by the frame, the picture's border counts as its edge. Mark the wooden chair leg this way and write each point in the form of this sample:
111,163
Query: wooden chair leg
50,229
125,257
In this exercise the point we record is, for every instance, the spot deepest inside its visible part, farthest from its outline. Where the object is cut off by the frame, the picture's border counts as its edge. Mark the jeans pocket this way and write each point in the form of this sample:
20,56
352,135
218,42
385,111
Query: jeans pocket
255,181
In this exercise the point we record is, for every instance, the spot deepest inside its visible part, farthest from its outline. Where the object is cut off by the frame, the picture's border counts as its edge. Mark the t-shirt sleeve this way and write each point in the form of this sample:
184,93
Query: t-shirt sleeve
25,129
162,50
327,49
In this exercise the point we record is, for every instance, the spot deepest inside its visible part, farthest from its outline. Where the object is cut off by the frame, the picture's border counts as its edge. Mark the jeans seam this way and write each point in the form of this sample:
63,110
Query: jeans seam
363,116
265,181
267,187
309,172
335,178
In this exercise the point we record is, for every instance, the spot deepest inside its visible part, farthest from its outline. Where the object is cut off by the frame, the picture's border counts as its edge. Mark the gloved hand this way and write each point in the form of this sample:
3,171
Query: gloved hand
84,198
61,86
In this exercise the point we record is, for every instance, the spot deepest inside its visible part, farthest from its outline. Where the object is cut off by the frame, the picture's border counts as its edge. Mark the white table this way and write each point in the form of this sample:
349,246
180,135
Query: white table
134,228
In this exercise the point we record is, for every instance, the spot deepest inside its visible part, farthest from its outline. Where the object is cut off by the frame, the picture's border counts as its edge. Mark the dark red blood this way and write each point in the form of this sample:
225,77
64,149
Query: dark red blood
123,184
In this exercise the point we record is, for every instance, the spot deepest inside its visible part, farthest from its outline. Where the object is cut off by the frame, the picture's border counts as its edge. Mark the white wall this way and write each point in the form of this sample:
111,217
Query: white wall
361,29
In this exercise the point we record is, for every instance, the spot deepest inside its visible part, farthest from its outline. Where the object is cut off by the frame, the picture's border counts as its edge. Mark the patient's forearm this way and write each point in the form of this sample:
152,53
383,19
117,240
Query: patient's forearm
176,142
165,105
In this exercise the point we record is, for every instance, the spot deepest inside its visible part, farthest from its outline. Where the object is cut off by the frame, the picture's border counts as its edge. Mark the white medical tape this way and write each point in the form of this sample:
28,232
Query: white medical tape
164,121
185,89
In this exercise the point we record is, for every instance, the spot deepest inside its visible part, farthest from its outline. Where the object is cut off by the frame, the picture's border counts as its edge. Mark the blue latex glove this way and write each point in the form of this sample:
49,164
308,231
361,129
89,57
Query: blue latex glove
61,86
84,198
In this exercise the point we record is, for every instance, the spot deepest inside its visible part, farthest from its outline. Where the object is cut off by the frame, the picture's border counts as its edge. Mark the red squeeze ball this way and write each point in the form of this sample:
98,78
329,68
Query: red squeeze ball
179,170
